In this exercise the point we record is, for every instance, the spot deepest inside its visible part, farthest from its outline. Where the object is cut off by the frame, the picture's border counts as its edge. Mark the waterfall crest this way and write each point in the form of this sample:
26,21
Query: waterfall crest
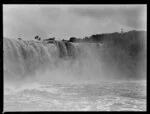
79,60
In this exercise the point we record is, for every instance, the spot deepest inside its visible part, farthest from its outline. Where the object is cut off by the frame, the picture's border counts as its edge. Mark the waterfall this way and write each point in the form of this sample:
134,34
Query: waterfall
65,60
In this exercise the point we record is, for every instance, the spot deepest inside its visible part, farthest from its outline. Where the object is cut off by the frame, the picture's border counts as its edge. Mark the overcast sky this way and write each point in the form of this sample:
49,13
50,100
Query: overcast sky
64,21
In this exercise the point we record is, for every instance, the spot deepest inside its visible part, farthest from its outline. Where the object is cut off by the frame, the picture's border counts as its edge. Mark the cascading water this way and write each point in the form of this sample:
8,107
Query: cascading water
26,58
23,58
70,63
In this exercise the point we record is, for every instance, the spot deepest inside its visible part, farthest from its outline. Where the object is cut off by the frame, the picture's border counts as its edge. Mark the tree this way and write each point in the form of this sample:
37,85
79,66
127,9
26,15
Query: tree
72,39
37,37
19,39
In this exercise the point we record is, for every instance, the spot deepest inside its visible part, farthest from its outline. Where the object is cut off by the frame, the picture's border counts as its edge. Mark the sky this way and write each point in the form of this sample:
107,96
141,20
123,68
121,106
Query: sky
65,21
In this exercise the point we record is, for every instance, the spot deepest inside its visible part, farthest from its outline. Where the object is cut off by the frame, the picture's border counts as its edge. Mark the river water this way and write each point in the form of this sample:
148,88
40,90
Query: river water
106,96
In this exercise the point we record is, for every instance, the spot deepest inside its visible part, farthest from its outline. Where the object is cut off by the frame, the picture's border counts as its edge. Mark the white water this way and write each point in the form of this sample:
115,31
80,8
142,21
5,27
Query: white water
130,96
66,76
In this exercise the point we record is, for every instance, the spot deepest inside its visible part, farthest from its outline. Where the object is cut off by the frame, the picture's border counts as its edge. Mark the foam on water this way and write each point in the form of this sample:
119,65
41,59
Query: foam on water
103,97
67,76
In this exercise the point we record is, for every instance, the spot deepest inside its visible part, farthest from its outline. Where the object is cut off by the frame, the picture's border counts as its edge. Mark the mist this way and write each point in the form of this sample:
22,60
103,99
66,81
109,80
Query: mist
69,63
75,57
